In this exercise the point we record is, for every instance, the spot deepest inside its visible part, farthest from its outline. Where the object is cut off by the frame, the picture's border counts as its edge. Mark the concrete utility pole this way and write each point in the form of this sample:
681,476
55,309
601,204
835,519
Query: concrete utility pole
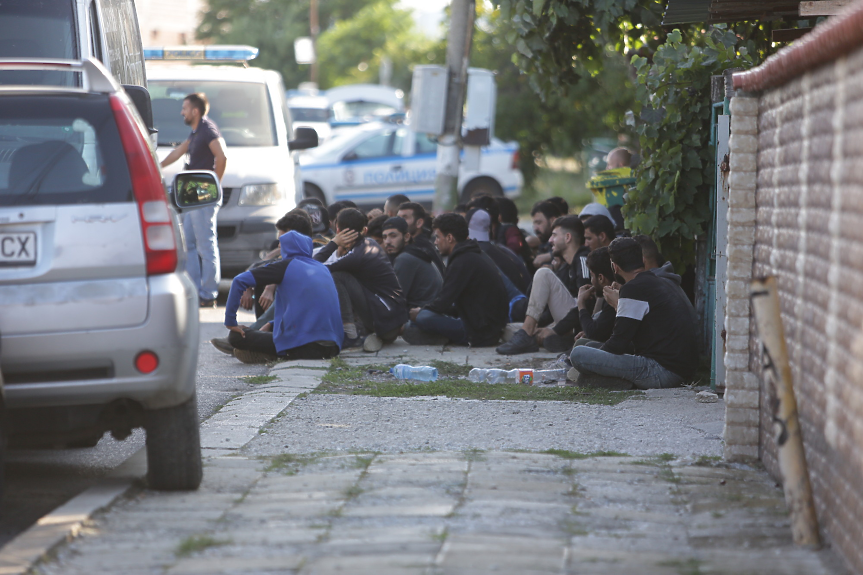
315,29
462,15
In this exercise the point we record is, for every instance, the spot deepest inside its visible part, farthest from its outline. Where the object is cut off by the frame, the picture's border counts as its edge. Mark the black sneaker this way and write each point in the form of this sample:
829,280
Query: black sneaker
353,342
208,303
221,343
603,382
558,343
520,343
415,336
247,356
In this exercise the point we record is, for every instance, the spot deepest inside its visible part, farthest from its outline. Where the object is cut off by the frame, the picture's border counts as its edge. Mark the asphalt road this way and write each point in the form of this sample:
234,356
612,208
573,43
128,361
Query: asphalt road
38,481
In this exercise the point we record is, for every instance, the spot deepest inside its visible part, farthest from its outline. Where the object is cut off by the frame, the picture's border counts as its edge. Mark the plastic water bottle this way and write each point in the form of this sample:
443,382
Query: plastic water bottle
548,375
524,376
416,373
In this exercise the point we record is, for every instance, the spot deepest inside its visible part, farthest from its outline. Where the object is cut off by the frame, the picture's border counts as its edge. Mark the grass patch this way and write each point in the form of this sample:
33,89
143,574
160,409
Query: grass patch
565,454
354,381
290,463
688,567
352,491
448,369
196,544
259,379
363,462
474,454
708,460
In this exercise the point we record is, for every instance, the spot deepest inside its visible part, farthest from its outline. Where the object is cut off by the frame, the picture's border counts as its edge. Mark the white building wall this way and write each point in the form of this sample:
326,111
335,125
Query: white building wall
168,22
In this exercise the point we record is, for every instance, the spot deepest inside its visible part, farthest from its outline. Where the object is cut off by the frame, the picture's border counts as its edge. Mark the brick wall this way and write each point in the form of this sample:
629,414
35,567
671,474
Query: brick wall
807,190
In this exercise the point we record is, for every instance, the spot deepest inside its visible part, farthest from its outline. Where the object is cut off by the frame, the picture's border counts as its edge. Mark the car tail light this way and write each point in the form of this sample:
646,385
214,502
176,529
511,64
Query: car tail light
146,362
515,161
159,244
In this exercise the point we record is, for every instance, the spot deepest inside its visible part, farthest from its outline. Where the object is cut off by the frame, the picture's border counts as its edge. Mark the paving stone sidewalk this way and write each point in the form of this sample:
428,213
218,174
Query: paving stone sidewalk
440,512
436,513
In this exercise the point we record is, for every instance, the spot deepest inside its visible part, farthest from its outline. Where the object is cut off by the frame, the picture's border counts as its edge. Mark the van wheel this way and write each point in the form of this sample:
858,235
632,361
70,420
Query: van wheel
481,187
312,191
174,447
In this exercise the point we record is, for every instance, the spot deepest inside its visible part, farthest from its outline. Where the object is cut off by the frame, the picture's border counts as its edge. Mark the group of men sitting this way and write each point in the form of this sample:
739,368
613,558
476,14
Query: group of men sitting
462,278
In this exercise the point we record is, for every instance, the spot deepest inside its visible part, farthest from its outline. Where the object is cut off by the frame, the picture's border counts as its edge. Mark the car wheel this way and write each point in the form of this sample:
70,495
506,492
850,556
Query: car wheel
174,447
312,191
481,187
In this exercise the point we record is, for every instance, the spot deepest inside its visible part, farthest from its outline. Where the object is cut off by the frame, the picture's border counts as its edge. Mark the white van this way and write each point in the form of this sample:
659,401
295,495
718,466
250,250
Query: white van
261,181
105,30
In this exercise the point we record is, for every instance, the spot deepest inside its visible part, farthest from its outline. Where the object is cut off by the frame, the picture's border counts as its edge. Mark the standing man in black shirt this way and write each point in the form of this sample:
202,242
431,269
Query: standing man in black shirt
206,150
652,320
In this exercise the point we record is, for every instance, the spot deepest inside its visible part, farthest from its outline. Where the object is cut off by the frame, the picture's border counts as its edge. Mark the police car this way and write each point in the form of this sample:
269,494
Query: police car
249,107
373,161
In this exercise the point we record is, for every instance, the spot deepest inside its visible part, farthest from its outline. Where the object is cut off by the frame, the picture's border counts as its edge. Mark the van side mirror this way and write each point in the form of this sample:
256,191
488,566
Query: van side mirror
141,98
197,189
305,138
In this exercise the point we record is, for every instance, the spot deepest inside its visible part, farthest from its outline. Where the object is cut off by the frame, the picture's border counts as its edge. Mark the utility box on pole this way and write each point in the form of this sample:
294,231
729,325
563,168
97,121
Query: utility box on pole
428,99
480,109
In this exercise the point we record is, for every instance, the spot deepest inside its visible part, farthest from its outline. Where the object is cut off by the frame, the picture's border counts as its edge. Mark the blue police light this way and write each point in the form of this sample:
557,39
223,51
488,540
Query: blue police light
203,53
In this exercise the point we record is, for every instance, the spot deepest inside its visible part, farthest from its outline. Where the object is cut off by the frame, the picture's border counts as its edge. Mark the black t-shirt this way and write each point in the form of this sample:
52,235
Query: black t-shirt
200,155
657,323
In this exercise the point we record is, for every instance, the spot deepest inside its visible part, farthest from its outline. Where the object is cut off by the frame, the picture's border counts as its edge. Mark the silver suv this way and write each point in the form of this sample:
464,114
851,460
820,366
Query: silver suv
99,323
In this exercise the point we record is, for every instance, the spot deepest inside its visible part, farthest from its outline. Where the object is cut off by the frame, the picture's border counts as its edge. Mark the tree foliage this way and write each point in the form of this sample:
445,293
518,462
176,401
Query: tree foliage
673,111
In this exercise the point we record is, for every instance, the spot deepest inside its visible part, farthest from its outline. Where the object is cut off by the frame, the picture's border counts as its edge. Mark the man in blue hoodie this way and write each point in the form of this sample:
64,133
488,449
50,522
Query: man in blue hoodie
307,322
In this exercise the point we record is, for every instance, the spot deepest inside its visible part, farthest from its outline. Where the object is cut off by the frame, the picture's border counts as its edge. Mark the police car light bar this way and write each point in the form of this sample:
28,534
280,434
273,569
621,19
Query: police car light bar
202,53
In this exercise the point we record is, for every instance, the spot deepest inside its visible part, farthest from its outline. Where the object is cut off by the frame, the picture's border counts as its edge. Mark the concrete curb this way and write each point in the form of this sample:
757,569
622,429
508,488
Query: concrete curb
225,432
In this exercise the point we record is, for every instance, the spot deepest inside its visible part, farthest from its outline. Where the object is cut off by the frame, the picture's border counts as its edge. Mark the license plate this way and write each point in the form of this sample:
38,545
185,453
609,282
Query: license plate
17,249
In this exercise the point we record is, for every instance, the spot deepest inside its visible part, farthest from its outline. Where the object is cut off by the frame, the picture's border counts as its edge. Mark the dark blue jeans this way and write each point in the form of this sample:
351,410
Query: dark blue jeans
644,372
451,328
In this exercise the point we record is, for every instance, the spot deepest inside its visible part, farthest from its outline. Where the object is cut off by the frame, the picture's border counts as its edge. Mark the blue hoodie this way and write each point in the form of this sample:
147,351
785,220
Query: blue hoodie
307,303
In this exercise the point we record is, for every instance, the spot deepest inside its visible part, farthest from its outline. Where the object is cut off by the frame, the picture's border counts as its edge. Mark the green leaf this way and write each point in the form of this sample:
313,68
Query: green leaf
538,6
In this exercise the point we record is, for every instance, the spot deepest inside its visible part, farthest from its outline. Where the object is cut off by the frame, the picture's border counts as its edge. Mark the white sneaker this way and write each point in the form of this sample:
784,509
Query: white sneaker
372,343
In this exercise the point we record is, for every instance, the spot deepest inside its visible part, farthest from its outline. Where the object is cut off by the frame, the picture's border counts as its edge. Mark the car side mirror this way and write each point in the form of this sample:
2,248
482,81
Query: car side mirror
196,189
141,98
305,138
350,156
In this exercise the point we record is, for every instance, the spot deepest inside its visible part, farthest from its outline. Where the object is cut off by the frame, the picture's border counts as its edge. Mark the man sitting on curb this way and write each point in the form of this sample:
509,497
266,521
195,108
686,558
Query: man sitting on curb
472,288
307,324
420,280
596,324
651,320
598,232
369,292
557,291
419,227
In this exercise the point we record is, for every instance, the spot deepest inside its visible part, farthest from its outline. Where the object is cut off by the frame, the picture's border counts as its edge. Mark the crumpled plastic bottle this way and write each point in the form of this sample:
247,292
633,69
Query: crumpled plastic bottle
415,373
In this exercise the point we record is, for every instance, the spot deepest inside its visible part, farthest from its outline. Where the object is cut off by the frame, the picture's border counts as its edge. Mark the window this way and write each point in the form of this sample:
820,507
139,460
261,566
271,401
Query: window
60,150
38,29
310,114
242,111
378,146
95,34
424,145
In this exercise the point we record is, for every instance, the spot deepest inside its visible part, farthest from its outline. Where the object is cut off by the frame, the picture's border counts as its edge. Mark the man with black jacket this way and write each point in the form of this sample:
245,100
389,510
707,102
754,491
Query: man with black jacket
472,307
418,227
557,291
369,291
510,265
420,280
652,320
596,324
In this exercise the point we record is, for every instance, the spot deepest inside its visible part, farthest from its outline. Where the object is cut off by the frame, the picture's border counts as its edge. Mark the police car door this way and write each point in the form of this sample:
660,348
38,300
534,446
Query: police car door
371,170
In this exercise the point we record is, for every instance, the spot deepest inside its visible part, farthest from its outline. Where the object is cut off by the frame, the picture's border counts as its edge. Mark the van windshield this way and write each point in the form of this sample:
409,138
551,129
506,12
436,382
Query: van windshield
310,114
241,110
38,29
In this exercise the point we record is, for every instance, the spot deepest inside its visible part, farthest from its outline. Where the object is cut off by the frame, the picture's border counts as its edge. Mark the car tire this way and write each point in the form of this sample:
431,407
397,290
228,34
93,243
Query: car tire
174,447
486,186
312,191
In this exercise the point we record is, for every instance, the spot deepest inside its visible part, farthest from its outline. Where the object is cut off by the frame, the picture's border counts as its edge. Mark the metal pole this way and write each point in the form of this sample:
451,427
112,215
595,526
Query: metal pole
462,15
786,424
315,29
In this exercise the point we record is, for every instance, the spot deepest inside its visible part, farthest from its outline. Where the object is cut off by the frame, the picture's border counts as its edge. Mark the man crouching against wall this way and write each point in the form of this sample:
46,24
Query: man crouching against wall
652,321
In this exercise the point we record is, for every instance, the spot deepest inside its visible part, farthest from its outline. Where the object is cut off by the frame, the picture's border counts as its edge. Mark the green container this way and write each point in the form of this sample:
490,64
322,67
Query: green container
609,186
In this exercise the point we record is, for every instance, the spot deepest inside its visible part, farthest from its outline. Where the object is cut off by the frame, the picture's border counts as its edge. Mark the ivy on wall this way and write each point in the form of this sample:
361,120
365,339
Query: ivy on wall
670,201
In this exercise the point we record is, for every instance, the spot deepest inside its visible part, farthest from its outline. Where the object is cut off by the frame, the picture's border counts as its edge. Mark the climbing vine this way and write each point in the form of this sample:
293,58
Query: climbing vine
672,116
